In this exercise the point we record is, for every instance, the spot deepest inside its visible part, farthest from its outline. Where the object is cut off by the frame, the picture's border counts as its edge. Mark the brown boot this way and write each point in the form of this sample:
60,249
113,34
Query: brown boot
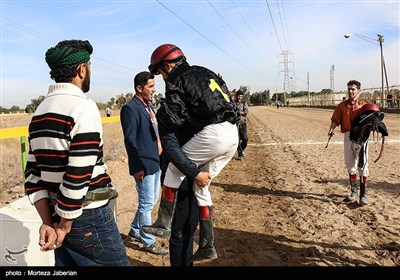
162,226
206,250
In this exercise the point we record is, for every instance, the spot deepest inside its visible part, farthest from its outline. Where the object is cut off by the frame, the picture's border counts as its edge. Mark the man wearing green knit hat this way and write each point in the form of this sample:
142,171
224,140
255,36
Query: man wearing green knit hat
66,178
68,52
64,59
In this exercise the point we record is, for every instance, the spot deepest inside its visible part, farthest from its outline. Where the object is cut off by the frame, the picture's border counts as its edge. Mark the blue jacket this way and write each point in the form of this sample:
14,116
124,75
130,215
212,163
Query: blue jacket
140,138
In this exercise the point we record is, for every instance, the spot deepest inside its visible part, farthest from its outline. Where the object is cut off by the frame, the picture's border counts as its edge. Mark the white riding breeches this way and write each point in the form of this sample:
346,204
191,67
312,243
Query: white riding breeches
352,156
211,149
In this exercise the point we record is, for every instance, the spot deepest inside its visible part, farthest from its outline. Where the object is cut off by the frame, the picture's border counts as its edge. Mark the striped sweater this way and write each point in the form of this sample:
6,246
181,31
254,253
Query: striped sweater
66,150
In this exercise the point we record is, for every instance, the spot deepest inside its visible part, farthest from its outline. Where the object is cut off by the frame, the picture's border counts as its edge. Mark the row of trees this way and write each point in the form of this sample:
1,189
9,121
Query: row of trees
255,98
13,109
30,108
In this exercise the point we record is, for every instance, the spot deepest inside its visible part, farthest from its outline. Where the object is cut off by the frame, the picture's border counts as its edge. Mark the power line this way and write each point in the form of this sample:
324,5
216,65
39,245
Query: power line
283,27
38,35
239,36
205,37
116,64
24,28
248,26
235,32
285,54
273,23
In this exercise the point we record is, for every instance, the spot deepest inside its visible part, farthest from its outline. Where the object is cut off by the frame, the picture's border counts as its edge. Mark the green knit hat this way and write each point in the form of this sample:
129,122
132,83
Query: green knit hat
68,52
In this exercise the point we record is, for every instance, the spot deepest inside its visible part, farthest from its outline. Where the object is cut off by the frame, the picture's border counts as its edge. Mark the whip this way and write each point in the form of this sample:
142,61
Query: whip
329,139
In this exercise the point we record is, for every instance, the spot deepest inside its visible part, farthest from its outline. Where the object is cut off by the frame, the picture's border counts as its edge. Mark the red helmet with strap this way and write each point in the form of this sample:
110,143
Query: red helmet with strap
166,52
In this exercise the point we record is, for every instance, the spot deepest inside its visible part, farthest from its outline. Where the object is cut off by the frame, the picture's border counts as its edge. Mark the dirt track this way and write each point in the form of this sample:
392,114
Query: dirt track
283,204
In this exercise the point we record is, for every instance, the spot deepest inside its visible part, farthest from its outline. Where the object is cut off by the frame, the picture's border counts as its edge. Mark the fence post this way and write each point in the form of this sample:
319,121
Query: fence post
22,131
23,156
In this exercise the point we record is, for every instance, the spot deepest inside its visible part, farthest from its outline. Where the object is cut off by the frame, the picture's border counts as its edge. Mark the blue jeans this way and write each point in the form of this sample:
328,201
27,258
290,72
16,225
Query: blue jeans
94,240
148,192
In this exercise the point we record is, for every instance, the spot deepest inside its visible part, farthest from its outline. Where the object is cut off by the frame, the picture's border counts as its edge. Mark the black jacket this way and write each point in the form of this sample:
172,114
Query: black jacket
194,98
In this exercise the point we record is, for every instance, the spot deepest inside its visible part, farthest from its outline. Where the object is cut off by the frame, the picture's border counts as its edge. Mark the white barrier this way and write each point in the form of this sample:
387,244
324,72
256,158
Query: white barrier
19,239
19,235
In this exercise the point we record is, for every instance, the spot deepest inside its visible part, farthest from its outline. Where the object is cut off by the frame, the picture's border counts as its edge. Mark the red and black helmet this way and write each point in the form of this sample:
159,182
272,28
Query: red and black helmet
369,108
166,52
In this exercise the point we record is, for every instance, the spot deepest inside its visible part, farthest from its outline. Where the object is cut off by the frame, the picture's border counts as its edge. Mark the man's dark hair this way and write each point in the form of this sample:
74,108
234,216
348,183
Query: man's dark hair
354,82
64,74
239,92
142,78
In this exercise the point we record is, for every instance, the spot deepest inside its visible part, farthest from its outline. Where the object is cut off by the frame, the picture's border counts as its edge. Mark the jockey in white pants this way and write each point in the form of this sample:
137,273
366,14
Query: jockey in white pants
196,98
211,149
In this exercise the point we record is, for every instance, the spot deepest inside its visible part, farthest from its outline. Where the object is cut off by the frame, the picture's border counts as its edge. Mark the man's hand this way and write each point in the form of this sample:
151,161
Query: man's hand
203,179
62,229
139,176
47,237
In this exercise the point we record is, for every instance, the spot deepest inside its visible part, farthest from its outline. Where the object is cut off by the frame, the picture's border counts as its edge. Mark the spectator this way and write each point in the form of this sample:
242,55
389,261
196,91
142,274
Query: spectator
66,178
143,148
242,126
108,111
232,95
390,100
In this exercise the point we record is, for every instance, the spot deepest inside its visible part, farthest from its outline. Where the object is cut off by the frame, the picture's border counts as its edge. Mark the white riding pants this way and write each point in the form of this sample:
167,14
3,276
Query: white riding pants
212,148
352,156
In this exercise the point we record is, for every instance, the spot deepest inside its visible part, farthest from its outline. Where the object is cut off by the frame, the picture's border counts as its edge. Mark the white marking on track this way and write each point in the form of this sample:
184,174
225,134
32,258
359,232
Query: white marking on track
314,143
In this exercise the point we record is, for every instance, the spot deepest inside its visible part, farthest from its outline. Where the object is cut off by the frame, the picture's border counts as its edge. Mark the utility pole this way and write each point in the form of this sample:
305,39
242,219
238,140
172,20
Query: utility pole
286,72
332,76
308,86
383,70
383,65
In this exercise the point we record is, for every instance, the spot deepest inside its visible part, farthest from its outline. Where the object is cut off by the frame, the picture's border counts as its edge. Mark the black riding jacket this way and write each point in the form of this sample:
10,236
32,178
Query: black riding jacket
194,98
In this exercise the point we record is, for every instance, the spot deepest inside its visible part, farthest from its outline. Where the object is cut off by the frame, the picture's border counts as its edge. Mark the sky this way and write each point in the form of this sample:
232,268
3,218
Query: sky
244,41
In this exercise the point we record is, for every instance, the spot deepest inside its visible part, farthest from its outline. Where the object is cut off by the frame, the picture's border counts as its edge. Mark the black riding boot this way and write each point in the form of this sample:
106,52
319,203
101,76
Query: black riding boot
353,187
363,191
162,226
206,250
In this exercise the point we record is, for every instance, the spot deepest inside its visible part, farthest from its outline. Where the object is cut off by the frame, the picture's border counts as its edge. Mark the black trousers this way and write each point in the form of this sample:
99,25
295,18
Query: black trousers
242,139
184,224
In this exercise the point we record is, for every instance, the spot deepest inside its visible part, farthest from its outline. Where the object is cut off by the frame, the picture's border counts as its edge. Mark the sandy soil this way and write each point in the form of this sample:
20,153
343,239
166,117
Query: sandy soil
283,204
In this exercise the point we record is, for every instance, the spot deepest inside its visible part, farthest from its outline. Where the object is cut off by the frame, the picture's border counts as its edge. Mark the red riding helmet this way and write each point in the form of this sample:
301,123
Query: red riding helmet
166,52
369,108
